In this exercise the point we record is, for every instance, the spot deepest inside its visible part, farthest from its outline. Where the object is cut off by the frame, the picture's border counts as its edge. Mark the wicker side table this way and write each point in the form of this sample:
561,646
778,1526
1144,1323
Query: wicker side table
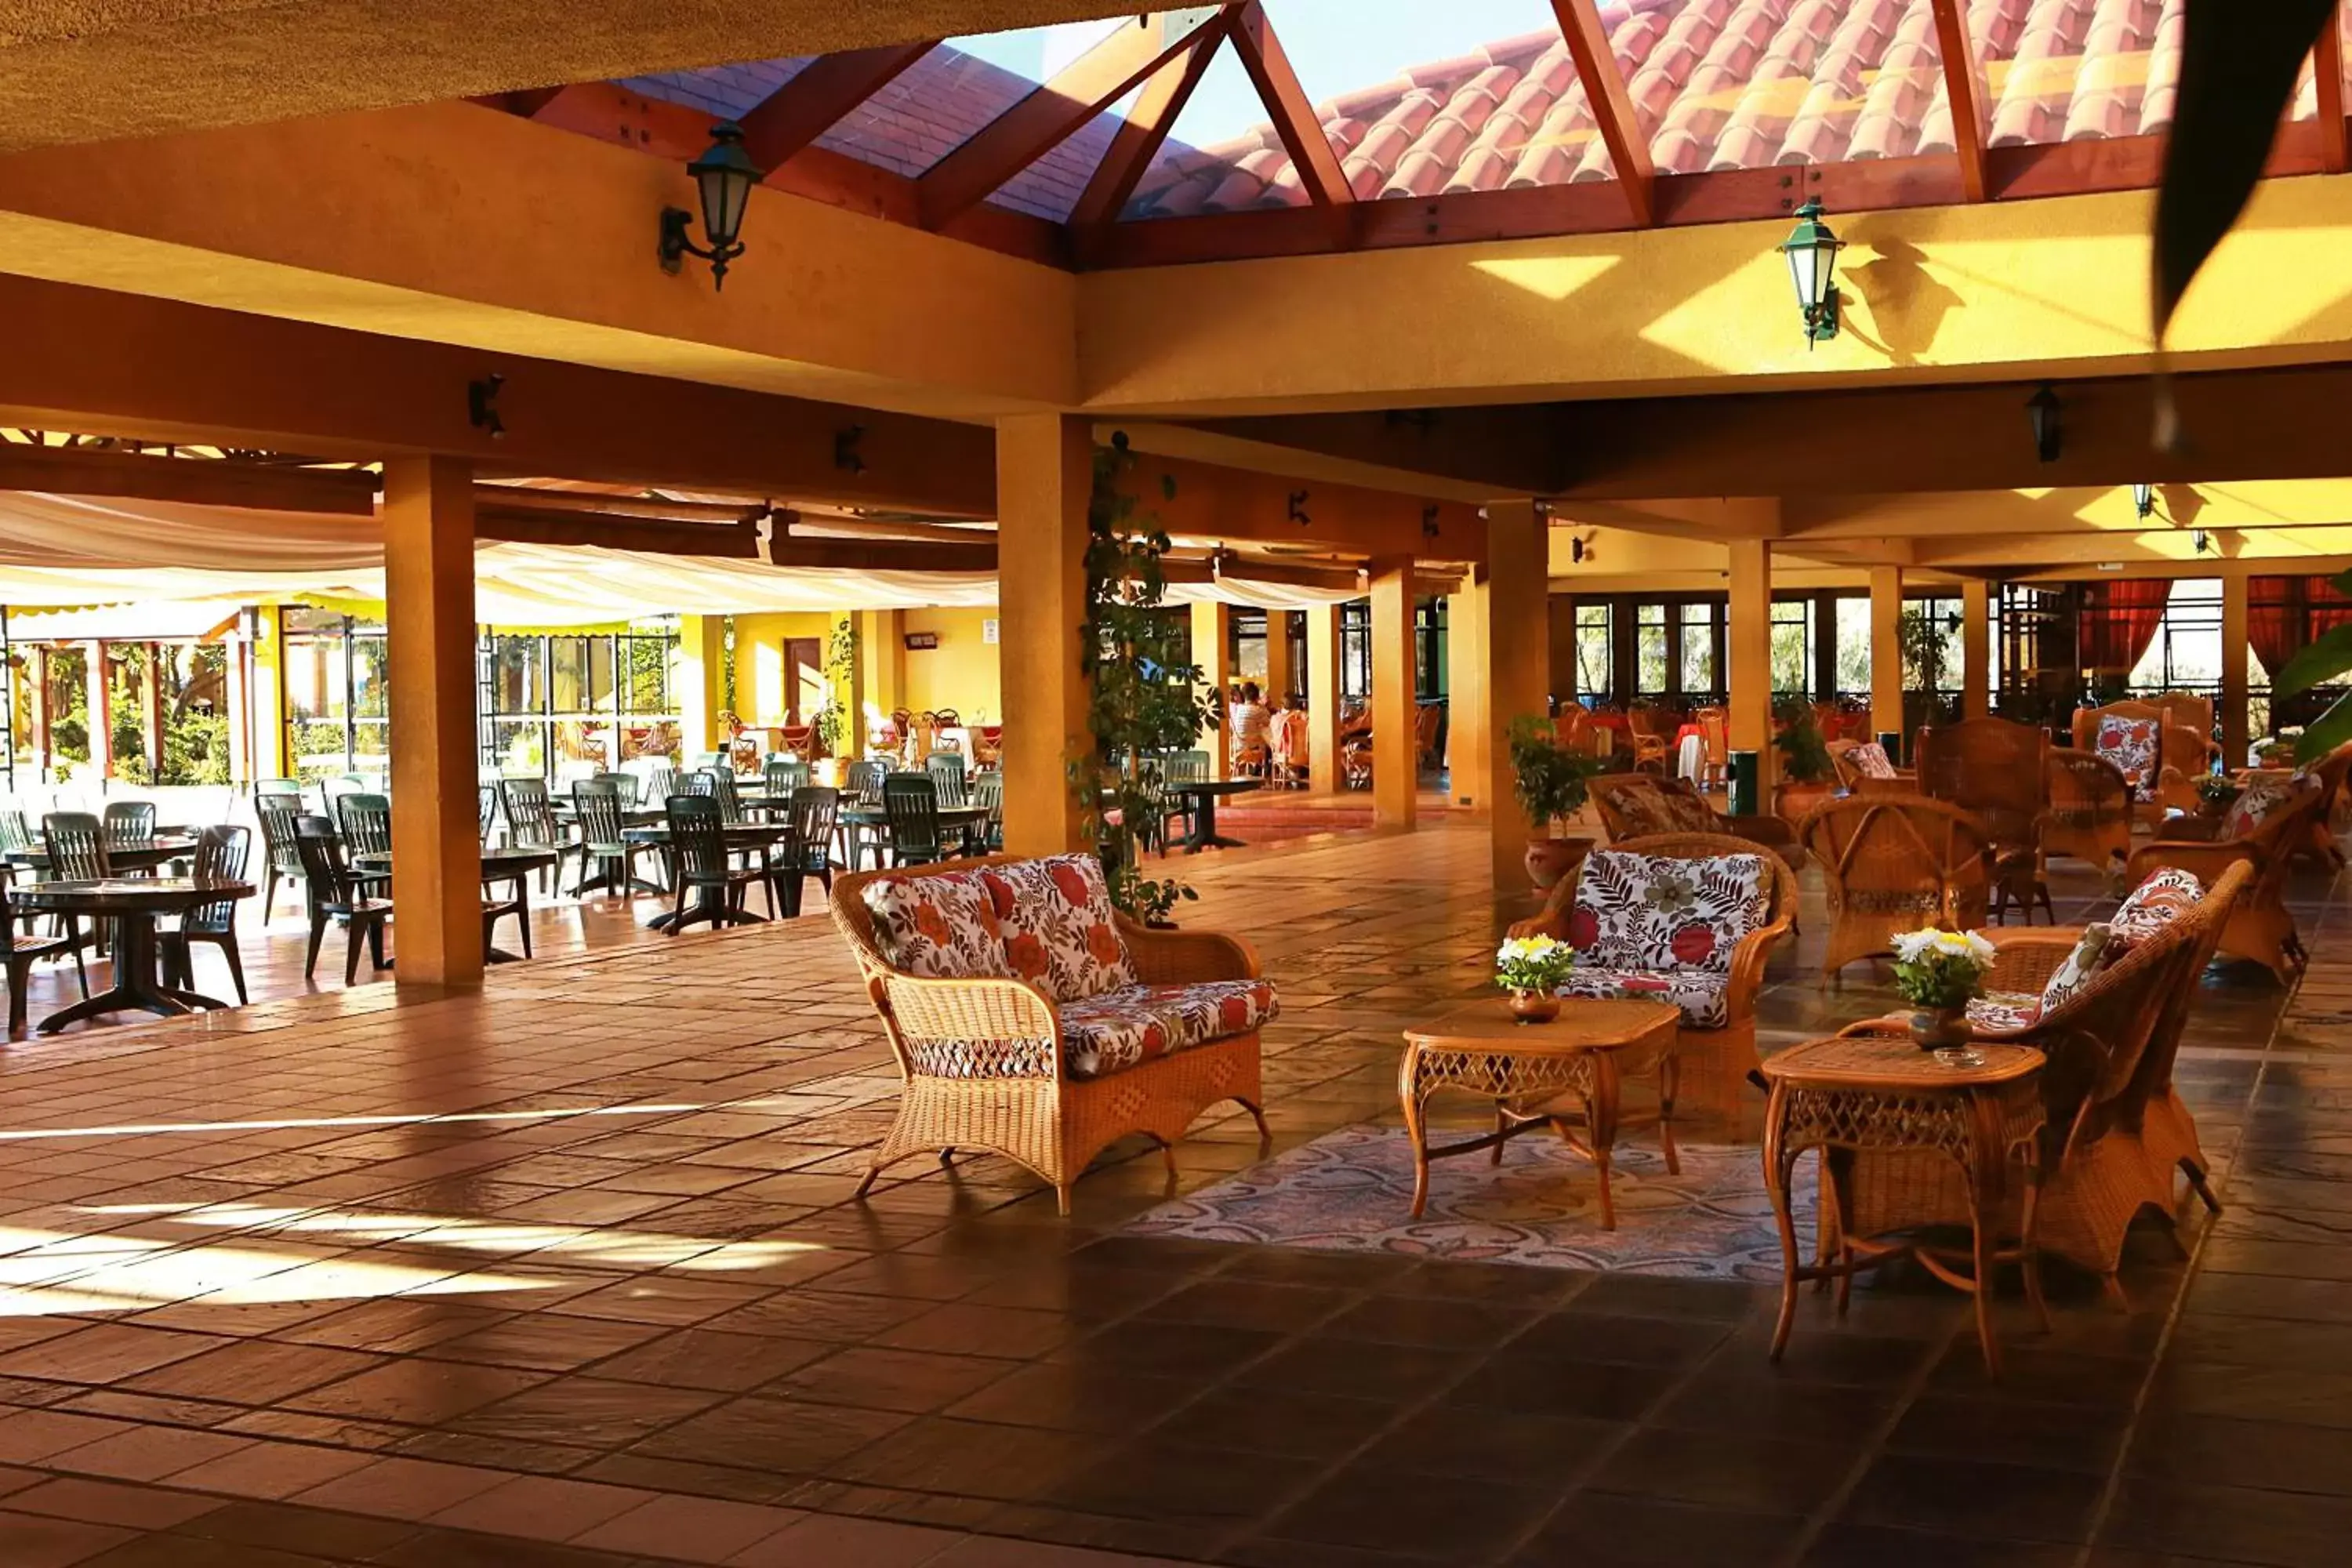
1540,1075
1881,1092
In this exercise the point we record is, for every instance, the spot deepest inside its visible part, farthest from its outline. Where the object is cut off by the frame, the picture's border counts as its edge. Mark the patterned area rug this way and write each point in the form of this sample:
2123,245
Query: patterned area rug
1349,1191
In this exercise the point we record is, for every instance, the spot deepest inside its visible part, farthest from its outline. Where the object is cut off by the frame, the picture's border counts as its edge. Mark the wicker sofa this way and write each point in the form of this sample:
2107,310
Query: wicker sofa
1714,979
1031,1020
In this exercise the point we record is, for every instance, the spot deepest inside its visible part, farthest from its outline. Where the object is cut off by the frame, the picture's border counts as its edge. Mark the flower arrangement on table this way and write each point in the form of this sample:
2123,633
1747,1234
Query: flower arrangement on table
1532,969
1938,972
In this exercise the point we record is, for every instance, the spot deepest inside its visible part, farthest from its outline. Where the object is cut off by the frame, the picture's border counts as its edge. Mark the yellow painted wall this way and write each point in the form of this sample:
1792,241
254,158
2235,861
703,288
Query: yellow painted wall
761,697
962,673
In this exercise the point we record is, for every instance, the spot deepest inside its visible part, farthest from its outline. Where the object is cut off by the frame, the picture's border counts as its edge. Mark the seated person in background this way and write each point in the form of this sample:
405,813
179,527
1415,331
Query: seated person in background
1245,729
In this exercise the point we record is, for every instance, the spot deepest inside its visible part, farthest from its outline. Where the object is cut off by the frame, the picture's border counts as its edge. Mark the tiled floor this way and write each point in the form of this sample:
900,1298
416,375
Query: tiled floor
567,1274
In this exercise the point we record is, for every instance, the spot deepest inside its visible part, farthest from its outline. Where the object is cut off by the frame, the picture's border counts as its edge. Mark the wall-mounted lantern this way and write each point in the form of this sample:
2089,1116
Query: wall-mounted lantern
2042,415
724,175
1811,252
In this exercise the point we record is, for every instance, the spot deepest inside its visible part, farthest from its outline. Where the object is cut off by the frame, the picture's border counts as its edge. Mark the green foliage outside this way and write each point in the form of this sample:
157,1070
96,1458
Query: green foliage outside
1145,696
840,664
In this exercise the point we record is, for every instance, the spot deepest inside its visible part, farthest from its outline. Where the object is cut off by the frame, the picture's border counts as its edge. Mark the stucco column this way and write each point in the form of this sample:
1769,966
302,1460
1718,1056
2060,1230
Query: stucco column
2235,613
1470,719
1515,625
701,686
1748,724
1323,699
98,709
1887,650
1213,627
436,861
1279,673
273,747
1976,648
1044,474
1395,770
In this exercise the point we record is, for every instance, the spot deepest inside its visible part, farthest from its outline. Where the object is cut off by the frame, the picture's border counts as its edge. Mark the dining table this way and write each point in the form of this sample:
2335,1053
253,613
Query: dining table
738,836
132,905
1204,794
955,819
513,863
143,856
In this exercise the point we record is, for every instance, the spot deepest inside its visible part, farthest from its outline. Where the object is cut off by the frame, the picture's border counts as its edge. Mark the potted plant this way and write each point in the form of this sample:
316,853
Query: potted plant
1938,972
2217,793
1807,779
1550,784
1532,969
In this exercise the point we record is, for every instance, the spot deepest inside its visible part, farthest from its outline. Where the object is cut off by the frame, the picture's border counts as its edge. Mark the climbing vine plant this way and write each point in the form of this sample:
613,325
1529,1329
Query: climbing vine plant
1144,693
840,664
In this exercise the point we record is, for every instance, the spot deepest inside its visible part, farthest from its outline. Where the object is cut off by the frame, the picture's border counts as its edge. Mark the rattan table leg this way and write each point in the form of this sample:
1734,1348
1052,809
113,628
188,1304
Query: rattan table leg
1601,1126
1780,1167
1416,1125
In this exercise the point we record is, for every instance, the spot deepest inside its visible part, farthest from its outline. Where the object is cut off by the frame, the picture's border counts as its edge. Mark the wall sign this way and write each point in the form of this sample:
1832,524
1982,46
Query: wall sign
988,630
918,641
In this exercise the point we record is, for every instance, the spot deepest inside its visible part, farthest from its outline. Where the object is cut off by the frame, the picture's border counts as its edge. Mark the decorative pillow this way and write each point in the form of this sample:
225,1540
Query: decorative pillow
1685,813
1661,914
939,928
1703,999
2262,799
1056,914
2168,894
2097,948
2131,745
1641,810
1123,1028
2003,1012
1870,760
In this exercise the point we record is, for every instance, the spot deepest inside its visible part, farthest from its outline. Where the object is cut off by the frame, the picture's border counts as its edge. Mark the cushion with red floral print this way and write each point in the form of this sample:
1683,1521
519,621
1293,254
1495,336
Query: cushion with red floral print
1120,1029
1056,915
2131,745
2005,1012
1704,998
2262,799
2168,894
939,928
1870,760
2096,950
1662,913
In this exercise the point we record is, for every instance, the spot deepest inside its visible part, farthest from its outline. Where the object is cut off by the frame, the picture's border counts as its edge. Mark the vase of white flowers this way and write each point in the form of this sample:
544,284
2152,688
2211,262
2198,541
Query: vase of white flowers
1532,969
1938,972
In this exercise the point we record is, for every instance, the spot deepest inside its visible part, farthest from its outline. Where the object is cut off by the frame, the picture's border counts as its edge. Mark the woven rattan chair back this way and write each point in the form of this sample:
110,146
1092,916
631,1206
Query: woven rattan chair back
1992,769
2207,920
77,845
531,814
698,838
947,770
221,853
2090,814
598,805
129,824
367,824
1896,863
812,814
911,802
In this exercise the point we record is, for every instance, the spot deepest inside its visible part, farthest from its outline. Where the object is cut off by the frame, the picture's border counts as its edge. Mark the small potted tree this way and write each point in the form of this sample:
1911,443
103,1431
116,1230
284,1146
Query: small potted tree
1550,784
1807,779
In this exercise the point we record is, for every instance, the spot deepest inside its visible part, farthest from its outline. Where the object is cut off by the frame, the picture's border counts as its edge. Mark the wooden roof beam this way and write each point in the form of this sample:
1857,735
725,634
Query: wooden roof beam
1961,89
2328,75
814,101
1047,116
192,481
1293,116
1612,108
1145,128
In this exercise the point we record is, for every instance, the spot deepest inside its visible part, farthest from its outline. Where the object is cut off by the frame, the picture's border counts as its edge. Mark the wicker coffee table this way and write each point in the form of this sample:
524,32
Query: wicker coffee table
1880,1093
1541,1075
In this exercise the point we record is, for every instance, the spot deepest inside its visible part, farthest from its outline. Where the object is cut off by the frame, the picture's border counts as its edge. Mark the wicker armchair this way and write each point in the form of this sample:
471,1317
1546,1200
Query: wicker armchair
1862,768
1896,863
2124,1132
2187,760
1992,769
1649,729
1638,805
1713,1063
2090,815
988,1060
2260,927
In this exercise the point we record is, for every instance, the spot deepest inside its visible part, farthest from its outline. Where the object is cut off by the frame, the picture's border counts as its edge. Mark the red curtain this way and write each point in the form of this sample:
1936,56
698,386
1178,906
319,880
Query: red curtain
2270,619
2121,624
2329,609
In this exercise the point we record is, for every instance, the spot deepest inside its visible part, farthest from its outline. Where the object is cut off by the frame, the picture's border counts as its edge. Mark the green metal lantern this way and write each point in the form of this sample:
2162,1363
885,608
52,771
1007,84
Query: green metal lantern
1811,252
723,177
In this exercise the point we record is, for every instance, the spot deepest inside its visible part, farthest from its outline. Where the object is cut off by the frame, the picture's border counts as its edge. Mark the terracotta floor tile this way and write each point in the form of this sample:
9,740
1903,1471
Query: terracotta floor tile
149,1453
690,1529
254,1372
402,1489
869,1544
113,1503
266,1469
27,1541
543,1508
415,1391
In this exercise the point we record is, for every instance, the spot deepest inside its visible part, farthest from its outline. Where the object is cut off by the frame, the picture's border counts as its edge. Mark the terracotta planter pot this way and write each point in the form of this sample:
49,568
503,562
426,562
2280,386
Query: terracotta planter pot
1551,859
1791,801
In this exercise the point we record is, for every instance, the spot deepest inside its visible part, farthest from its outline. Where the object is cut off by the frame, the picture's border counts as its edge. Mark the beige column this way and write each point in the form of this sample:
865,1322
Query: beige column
151,710
39,712
428,573
701,686
1394,773
2236,593
273,746
1279,673
1323,699
98,709
1887,650
1212,625
1044,474
1515,625
1750,652
1976,648
1471,723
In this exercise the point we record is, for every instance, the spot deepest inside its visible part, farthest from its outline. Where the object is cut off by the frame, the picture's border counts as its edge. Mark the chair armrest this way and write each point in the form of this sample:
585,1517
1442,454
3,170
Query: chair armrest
2189,830
1901,784
1182,957
2206,862
1761,827
976,1014
1748,961
2023,960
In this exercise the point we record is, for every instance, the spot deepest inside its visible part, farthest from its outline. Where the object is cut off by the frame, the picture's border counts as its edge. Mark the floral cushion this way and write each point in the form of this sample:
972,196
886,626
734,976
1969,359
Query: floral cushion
2096,950
2168,894
1059,933
1870,760
2131,745
1643,808
2262,799
2003,1012
1120,1029
938,927
1704,997
1660,913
